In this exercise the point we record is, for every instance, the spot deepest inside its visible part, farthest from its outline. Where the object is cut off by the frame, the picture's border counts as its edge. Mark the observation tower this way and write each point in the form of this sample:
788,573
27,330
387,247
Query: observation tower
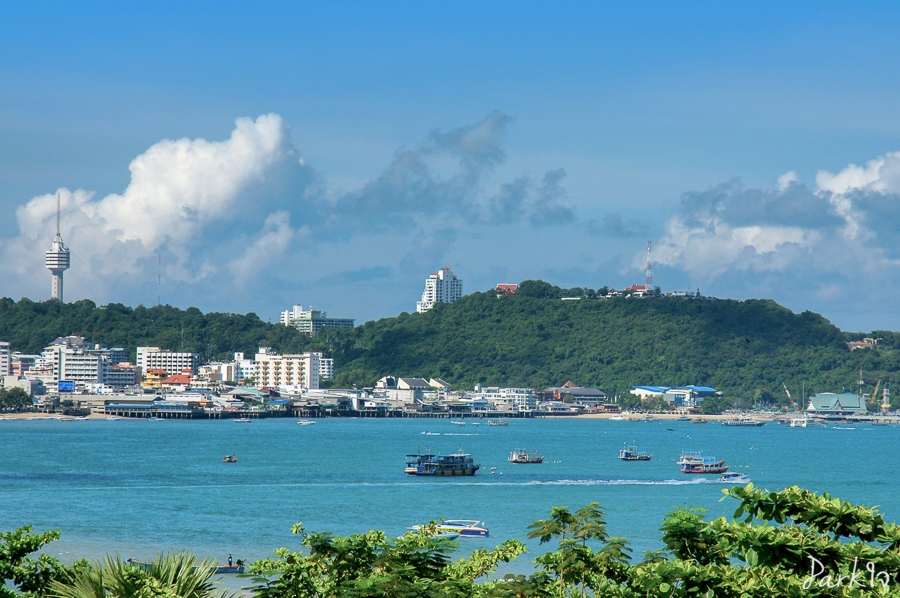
57,260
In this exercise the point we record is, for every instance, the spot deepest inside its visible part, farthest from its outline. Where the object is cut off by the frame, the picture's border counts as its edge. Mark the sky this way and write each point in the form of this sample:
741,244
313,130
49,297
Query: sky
247,158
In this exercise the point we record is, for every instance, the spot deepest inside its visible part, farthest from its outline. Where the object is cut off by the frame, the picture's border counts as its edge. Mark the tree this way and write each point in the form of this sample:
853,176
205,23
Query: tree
176,575
31,577
414,565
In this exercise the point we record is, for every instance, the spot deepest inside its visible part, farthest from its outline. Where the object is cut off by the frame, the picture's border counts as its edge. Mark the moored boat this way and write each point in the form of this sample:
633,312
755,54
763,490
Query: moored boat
242,420
742,421
523,456
630,453
305,422
699,420
617,418
455,464
497,422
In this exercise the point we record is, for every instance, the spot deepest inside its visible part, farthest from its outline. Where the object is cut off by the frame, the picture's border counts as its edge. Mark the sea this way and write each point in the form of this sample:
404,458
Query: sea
136,488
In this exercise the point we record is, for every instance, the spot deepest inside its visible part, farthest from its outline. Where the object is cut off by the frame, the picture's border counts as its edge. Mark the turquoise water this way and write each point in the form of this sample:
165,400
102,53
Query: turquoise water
136,487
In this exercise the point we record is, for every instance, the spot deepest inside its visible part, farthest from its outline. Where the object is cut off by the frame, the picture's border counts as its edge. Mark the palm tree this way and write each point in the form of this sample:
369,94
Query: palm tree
174,575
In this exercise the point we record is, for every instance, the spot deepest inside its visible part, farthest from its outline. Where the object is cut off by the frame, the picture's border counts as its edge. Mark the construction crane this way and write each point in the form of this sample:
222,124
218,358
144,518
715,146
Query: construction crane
875,393
788,393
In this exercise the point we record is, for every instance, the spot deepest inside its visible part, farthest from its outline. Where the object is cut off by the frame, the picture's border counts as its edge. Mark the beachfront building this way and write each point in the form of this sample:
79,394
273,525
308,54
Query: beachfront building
571,393
512,400
122,375
163,359
440,287
312,321
830,403
681,396
71,358
326,368
293,371
5,360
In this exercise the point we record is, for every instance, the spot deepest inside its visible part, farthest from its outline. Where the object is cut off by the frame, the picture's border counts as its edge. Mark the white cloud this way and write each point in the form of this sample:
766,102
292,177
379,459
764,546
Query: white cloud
270,248
177,190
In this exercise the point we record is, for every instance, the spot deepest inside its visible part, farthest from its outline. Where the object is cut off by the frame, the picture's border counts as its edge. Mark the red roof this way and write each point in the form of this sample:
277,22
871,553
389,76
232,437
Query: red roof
177,379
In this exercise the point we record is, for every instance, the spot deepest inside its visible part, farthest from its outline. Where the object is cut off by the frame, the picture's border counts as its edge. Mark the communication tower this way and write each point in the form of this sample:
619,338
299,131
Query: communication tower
57,260
649,280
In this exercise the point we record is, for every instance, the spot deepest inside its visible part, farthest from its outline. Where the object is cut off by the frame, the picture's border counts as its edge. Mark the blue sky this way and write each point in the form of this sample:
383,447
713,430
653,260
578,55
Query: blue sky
336,154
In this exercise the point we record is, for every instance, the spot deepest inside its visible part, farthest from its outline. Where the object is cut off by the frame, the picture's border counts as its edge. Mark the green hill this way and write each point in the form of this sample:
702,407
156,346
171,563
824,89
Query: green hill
740,347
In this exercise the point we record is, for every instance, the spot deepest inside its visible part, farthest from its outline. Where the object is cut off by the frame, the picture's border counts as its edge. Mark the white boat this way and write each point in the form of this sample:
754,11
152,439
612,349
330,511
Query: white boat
617,418
805,422
305,422
466,528
497,422
457,423
733,478
242,420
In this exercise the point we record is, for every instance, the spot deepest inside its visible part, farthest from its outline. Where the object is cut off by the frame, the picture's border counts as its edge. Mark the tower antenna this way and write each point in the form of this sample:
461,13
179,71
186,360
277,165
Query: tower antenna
57,259
57,213
649,280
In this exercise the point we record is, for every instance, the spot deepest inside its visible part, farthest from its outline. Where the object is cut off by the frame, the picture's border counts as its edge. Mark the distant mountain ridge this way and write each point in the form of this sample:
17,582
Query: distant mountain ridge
613,344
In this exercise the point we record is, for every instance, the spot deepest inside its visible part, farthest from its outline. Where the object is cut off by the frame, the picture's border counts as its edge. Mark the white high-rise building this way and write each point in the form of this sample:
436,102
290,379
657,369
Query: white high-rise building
5,360
273,370
312,321
57,260
441,287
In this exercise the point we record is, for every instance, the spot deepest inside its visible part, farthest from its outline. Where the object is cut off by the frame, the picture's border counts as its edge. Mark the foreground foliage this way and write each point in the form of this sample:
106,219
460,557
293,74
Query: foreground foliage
789,543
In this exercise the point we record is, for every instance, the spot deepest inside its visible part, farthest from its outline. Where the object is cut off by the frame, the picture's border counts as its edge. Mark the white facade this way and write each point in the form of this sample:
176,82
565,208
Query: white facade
162,359
441,287
5,360
326,368
71,358
273,370
244,368
313,320
515,400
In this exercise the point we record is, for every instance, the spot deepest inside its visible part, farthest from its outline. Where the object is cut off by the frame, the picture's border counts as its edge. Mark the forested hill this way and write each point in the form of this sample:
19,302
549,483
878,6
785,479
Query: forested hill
739,347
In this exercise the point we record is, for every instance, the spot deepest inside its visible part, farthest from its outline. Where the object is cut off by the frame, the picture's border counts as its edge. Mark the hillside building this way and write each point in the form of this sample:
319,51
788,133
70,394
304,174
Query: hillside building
440,287
312,321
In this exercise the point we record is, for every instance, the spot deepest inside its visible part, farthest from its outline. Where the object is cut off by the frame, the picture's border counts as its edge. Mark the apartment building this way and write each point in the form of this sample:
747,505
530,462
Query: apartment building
299,371
440,287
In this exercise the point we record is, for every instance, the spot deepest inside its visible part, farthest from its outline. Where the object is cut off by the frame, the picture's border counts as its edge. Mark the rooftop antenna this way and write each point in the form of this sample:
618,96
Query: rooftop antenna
649,280
158,279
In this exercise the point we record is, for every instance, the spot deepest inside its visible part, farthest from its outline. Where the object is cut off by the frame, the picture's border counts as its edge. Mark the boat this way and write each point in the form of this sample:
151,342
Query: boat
305,422
440,535
230,459
648,418
476,423
617,418
457,423
742,421
699,420
238,567
733,477
466,528
242,420
523,456
630,453
154,419
455,464
706,464
682,418
805,422
497,422
879,422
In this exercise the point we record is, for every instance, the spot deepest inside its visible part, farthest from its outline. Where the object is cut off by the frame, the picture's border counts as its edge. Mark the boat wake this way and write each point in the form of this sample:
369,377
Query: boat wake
690,482
456,434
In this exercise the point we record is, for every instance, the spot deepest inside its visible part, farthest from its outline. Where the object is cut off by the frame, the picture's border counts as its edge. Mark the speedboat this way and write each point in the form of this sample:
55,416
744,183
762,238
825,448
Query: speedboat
230,459
458,423
242,420
466,528
497,422
734,478
305,422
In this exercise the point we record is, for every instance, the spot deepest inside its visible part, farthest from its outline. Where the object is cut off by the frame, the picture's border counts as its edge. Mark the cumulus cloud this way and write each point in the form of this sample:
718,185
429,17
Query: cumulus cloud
845,225
224,210
178,189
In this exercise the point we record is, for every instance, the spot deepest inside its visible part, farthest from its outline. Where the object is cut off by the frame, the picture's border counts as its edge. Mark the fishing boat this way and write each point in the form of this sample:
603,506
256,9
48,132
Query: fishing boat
733,478
742,421
305,422
455,464
238,567
230,459
497,422
523,456
466,528
699,420
630,453
242,420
